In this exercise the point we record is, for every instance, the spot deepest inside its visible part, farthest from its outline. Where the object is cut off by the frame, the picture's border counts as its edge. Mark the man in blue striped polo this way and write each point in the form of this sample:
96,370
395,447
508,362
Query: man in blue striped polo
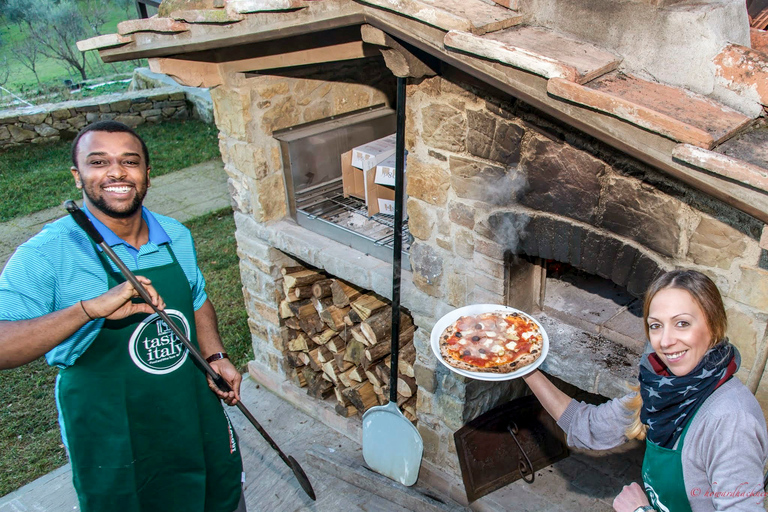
143,429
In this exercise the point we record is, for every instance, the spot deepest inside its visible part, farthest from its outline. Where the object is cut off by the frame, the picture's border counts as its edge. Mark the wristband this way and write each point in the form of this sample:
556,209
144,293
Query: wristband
215,357
645,508
86,313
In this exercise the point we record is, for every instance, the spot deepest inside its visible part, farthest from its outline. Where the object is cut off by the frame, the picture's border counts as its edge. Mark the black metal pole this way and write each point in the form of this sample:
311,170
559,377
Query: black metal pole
85,223
398,243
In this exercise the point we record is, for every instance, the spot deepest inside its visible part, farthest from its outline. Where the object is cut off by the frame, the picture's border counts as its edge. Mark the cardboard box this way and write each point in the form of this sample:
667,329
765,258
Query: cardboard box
381,198
352,179
385,171
369,155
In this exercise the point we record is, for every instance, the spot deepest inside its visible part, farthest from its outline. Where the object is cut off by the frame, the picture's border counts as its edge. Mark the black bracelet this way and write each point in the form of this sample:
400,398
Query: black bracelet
215,357
86,313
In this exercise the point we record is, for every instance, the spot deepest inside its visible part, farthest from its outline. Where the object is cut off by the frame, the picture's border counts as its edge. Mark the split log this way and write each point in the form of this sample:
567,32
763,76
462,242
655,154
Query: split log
330,371
377,351
366,305
362,396
303,292
348,321
301,343
291,270
302,308
406,386
314,362
322,289
346,333
357,335
324,355
321,305
406,358
410,416
353,316
357,374
344,378
336,345
293,360
345,412
293,323
354,352
338,358
302,278
410,406
316,385
324,337
300,380
334,317
382,371
304,357
378,328
373,376
312,324
285,311
340,398
343,293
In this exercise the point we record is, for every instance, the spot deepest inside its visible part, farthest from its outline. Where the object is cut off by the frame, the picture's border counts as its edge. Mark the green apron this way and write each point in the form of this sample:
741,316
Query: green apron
663,476
145,433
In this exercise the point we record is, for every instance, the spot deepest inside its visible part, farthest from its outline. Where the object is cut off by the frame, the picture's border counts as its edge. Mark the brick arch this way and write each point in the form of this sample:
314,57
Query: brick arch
587,249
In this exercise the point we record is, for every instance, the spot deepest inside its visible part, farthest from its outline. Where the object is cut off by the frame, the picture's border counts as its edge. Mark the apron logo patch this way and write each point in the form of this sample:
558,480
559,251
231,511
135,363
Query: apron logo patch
155,348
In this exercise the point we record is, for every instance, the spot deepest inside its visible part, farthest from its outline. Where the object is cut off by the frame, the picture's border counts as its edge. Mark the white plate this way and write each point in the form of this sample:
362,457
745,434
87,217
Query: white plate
477,309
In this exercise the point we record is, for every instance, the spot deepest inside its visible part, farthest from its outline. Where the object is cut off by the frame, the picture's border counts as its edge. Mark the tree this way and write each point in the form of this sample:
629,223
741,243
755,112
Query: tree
57,25
26,52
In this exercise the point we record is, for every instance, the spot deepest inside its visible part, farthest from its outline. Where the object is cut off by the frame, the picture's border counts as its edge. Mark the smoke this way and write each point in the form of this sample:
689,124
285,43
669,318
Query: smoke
508,229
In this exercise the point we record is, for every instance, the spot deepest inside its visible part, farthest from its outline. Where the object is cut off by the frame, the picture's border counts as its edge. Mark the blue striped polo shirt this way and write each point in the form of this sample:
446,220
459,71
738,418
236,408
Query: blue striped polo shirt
58,267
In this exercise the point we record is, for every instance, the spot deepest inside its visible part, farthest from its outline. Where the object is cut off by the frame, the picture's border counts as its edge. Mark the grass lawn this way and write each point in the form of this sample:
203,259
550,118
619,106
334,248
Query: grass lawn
30,444
31,180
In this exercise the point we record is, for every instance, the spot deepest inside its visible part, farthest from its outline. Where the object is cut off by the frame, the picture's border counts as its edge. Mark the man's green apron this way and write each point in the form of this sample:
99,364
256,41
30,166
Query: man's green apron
663,476
145,433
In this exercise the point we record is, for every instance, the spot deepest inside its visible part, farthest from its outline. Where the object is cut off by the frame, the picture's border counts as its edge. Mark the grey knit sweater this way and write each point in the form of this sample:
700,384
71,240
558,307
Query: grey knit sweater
724,452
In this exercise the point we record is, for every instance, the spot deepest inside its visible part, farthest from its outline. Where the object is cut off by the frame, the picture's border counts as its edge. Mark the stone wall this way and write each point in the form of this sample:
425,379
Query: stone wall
56,121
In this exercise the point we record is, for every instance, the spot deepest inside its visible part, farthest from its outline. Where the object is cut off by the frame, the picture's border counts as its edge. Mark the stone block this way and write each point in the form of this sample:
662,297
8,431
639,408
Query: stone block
607,257
33,119
103,107
489,248
464,243
60,114
139,106
269,199
444,242
743,332
643,274
9,120
232,110
489,283
431,441
249,159
421,219
457,289
92,117
45,130
131,120
622,267
752,288
643,214
443,127
425,379
544,235
121,106
561,179
574,253
5,134
177,96
715,244
157,98
168,111
483,296
318,109
430,183
489,266
479,180
426,263
19,134
270,90
492,138
461,214
281,114
561,241
153,112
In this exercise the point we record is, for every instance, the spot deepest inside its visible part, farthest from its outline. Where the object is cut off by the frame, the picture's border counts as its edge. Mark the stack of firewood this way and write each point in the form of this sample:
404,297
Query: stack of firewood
338,341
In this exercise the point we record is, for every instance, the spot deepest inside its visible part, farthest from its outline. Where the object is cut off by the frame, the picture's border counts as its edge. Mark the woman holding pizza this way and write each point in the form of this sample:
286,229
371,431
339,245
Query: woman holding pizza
706,439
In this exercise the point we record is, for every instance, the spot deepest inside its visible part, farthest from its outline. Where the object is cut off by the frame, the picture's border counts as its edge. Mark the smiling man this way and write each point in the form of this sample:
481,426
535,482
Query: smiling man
143,429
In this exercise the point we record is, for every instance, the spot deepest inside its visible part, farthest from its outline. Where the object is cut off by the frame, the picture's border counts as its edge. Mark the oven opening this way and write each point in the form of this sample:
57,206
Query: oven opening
312,165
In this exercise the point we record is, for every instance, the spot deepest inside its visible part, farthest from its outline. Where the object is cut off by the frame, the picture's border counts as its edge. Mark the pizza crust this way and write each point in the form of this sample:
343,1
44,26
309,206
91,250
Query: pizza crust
520,362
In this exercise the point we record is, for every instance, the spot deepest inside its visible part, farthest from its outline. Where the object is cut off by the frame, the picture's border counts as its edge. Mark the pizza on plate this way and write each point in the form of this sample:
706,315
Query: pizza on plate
497,342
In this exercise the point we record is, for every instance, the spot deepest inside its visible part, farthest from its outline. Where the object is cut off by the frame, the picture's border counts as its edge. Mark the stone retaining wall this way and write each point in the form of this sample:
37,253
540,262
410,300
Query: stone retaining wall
56,121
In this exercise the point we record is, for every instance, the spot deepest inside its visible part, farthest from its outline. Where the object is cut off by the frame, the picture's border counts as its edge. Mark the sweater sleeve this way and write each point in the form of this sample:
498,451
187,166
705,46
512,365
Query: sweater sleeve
732,449
596,427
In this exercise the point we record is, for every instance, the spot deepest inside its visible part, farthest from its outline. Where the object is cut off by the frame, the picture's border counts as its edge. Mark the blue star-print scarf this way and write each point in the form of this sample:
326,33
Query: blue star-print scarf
669,402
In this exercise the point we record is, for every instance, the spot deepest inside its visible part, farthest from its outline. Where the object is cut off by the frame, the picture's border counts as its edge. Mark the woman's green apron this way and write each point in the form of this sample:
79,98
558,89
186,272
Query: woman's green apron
145,433
663,476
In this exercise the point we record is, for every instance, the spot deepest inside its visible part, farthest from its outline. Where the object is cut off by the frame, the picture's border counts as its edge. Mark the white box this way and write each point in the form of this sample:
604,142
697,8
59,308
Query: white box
385,171
369,155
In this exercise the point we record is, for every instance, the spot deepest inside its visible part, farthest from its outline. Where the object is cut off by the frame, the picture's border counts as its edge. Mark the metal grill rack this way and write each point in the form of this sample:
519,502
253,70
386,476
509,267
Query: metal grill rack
325,210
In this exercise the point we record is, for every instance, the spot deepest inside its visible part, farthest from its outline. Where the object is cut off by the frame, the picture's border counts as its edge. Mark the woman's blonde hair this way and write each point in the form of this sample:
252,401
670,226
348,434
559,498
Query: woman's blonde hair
705,293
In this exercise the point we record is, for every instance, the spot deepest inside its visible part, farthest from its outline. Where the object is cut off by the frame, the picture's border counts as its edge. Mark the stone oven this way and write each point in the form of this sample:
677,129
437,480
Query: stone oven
560,154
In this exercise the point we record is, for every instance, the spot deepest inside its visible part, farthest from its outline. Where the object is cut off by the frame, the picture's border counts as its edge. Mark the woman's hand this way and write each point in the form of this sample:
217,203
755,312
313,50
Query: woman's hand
630,498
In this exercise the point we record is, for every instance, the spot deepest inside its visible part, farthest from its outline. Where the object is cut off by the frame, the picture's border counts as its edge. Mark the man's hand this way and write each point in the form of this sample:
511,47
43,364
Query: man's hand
230,374
116,303
630,498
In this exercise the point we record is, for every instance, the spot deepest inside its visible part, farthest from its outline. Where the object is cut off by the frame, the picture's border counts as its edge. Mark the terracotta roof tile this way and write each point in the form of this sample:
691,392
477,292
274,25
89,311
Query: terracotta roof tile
539,51
741,68
249,6
750,146
153,24
473,16
221,16
759,39
737,170
670,111
105,41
